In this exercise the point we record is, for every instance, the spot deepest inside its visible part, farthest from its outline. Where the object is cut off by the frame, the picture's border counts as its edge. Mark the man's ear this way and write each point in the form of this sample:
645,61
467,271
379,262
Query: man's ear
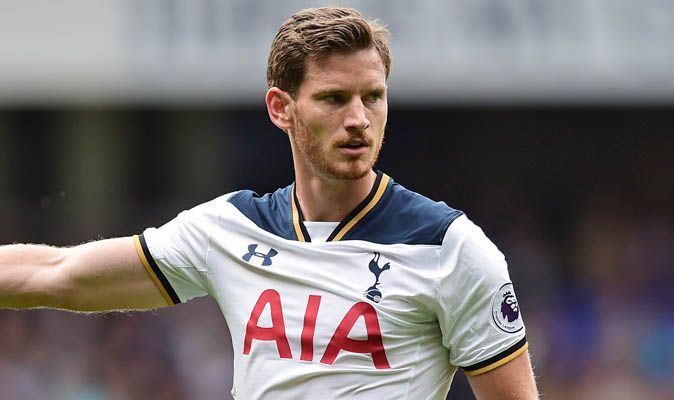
279,107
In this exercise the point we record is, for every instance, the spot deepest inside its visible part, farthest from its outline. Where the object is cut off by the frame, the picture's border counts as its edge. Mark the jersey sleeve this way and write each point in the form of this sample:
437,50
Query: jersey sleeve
176,254
478,312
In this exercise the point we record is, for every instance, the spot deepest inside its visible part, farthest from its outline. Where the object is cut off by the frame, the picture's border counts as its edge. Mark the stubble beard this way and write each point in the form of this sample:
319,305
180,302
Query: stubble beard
318,157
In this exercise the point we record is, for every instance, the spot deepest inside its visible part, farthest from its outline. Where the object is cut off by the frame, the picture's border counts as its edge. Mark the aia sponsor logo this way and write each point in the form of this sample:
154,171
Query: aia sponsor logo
340,341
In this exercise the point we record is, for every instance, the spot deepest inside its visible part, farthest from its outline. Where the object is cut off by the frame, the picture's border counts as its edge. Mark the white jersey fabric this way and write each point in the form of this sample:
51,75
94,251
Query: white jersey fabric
403,292
320,231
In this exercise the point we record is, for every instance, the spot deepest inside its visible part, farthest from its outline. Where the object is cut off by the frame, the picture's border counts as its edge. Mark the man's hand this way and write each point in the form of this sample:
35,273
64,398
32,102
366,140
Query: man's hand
511,381
98,276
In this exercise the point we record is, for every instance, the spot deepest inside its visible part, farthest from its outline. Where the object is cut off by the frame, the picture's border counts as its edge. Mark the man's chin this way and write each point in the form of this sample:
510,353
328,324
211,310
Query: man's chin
349,172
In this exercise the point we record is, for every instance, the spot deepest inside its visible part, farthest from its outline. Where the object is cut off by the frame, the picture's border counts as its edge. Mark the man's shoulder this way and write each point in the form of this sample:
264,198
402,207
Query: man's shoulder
419,206
270,211
407,217
249,198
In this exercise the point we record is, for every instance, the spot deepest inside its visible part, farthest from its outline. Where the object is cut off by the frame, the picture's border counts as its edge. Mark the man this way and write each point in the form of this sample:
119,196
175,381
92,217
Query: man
343,285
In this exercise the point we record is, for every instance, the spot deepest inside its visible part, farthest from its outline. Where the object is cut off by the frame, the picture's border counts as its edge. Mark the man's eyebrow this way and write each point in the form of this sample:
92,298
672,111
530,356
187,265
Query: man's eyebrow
330,90
378,89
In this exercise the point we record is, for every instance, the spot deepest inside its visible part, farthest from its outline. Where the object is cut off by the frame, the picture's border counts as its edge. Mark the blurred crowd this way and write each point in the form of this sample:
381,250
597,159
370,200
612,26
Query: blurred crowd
52,355
580,201
599,317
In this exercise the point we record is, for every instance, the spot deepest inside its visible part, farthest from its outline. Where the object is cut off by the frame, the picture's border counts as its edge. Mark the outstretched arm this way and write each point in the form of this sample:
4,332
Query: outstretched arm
511,381
98,276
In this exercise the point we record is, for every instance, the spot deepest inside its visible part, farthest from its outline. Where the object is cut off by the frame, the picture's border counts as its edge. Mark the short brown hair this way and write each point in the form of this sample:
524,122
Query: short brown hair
318,32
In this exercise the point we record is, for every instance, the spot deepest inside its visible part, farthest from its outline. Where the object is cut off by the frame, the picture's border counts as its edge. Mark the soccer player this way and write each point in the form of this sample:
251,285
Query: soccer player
344,284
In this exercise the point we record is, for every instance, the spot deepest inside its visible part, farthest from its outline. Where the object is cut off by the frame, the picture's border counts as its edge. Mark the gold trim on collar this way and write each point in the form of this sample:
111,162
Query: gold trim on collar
380,192
296,217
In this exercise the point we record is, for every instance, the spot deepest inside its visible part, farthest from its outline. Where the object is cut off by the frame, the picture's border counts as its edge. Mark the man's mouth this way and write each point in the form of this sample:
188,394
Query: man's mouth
354,144
356,147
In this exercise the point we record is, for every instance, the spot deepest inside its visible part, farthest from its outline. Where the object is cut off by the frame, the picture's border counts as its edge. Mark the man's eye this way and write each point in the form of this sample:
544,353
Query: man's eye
372,97
331,98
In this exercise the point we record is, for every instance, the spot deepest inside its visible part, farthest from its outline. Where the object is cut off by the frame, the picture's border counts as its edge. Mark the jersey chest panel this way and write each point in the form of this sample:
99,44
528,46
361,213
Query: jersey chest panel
291,300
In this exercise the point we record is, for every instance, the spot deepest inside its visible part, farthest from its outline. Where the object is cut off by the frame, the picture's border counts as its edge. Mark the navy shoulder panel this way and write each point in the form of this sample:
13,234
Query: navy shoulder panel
406,217
271,212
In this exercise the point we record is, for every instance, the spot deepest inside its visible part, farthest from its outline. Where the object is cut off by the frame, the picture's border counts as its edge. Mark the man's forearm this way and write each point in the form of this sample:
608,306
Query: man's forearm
24,269
98,276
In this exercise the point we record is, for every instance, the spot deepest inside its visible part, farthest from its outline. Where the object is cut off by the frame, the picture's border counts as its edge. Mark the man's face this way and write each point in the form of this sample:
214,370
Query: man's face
339,115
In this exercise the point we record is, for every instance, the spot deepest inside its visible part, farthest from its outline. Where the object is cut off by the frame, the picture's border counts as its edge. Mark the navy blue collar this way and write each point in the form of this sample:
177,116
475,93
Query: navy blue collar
351,220
389,214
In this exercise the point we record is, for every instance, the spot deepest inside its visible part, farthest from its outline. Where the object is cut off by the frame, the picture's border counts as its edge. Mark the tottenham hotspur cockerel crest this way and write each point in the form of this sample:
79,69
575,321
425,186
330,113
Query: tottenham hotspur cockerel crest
373,293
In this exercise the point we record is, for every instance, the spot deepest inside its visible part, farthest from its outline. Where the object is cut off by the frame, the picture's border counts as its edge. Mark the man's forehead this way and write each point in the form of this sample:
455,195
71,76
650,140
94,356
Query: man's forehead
365,64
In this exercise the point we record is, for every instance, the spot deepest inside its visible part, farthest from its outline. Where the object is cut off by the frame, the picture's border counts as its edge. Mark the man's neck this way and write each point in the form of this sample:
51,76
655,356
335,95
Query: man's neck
331,199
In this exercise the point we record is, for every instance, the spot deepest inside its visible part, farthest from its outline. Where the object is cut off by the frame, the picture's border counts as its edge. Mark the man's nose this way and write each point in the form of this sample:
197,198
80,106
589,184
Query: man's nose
356,119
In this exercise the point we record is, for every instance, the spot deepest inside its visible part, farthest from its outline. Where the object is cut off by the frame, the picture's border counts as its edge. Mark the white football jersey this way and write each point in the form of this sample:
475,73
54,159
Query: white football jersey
403,292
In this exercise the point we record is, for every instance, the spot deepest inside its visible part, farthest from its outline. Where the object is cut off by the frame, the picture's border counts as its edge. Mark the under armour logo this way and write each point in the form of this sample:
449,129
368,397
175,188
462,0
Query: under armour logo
373,293
266,258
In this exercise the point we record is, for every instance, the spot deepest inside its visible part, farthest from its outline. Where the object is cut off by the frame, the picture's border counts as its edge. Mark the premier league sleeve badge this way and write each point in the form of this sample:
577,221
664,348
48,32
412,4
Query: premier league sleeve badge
506,311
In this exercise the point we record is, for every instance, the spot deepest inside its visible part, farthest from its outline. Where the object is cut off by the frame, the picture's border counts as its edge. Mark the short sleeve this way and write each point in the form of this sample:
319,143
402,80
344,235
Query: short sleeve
176,254
478,312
